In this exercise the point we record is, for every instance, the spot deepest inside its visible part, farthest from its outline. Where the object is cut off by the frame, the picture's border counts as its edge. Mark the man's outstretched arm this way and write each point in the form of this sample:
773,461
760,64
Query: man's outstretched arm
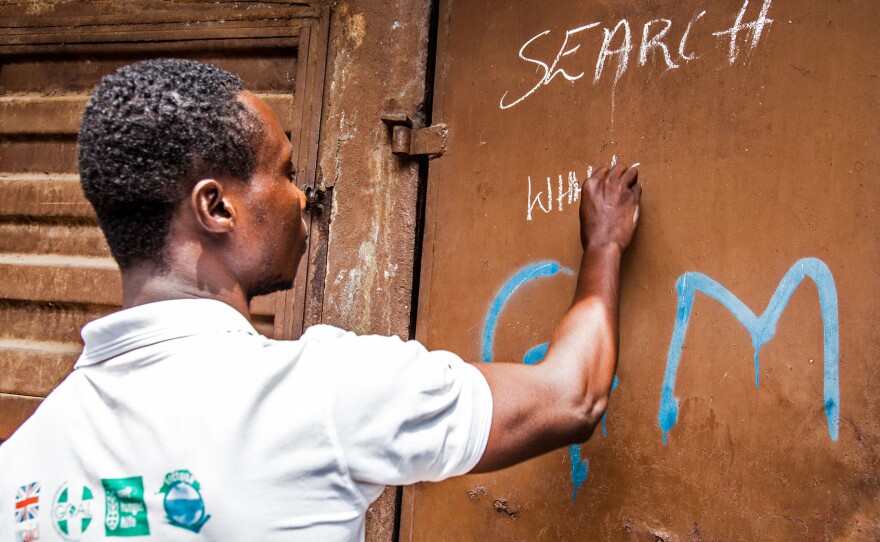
538,408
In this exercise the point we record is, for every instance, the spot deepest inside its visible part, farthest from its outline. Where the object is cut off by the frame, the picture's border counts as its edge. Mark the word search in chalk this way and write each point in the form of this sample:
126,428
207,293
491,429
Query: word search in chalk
655,41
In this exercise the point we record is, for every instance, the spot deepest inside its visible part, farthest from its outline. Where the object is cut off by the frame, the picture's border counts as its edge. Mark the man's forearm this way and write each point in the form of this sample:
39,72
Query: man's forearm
583,352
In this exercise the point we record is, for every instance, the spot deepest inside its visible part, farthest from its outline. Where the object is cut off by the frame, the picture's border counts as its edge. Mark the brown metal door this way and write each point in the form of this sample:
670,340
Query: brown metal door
748,397
57,273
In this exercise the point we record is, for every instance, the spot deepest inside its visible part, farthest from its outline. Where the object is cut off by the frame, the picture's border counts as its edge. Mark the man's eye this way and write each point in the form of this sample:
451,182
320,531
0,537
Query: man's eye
292,175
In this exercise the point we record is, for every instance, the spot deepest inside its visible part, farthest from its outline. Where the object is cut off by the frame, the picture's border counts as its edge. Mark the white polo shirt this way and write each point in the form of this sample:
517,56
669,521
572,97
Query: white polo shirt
181,422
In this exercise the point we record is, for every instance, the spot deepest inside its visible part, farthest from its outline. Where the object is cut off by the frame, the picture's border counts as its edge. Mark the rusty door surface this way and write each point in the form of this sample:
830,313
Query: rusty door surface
748,391
56,273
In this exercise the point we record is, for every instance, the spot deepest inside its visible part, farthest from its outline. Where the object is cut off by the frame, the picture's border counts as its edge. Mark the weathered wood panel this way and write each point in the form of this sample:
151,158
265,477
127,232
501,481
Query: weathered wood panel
43,196
46,154
16,409
66,238
266,69
57,322
38,115
47,365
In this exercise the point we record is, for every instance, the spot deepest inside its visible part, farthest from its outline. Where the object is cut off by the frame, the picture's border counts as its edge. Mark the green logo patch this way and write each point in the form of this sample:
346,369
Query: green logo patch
126,513
72,510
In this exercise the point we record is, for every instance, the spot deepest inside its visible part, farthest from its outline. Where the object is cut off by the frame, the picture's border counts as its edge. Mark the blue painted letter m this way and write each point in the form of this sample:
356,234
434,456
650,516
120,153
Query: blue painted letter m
761,328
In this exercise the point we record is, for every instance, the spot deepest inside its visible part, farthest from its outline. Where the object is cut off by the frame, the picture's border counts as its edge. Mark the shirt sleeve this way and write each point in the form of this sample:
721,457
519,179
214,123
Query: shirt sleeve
404,414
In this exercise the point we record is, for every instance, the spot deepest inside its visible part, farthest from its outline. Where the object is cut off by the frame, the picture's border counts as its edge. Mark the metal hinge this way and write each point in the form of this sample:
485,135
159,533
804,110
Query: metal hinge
316,199
409,141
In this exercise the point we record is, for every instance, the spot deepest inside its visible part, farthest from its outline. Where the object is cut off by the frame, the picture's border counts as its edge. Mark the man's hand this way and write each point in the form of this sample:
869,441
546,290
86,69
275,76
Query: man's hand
609,208
538,408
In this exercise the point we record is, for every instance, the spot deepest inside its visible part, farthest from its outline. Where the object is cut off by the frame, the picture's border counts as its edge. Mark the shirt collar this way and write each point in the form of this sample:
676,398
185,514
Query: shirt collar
145,325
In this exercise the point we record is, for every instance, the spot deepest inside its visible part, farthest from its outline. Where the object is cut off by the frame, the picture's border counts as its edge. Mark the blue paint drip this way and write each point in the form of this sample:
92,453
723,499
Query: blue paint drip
761,330
605,414
536,354
527,273
579,469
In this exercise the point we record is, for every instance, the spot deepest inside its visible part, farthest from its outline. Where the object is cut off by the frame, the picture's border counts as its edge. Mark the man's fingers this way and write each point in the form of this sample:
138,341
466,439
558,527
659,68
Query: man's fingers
619,174
600,173
617,171
631,177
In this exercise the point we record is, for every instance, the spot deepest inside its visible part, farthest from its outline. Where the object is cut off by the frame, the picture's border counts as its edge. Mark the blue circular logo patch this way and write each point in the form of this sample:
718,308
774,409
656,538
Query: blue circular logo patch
184,506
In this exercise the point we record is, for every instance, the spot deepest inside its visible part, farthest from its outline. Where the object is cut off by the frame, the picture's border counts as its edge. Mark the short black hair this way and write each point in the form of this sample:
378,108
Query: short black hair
149,131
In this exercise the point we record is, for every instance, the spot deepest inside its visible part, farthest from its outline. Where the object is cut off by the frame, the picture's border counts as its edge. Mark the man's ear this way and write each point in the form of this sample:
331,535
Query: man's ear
213,210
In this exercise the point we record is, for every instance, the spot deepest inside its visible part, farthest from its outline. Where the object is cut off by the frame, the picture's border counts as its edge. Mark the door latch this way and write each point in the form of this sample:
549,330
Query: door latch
315,199
406,140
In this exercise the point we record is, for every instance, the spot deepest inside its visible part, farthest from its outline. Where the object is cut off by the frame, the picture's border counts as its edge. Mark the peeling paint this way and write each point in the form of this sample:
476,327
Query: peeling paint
356,29
339,277
39,8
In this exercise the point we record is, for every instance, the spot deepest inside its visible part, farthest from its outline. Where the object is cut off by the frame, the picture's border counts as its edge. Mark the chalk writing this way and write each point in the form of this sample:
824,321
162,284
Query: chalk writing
756,27
579,467
684,38
761,330
622,51
652,42
572,193
568,192
550,71
655,42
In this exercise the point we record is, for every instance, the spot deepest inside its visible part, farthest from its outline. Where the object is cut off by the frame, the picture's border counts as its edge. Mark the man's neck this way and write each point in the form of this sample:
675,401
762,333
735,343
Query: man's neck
145,283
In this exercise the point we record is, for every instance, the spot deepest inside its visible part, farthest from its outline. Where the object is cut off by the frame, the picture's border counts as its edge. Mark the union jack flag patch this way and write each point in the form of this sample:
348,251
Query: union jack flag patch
27,502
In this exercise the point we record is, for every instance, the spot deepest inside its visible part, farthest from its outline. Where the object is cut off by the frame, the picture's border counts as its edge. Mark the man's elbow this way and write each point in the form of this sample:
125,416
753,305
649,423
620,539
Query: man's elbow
585,415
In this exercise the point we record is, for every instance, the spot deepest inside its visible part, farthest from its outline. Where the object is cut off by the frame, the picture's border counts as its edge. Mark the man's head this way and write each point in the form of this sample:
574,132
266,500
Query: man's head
178,159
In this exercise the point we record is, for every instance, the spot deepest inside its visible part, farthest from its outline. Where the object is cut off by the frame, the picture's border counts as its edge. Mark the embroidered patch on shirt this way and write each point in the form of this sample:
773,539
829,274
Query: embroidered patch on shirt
126,512
72,510
27,509
184,506
27,502
28,534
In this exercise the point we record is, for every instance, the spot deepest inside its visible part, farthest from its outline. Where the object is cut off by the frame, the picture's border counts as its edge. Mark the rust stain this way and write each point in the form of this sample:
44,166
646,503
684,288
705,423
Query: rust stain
502,507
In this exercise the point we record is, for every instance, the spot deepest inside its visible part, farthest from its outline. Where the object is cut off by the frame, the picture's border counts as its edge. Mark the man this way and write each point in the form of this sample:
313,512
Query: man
179,418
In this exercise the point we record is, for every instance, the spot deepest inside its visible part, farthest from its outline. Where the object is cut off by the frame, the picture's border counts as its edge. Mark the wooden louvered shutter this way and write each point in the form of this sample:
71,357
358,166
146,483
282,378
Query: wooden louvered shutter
56,273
